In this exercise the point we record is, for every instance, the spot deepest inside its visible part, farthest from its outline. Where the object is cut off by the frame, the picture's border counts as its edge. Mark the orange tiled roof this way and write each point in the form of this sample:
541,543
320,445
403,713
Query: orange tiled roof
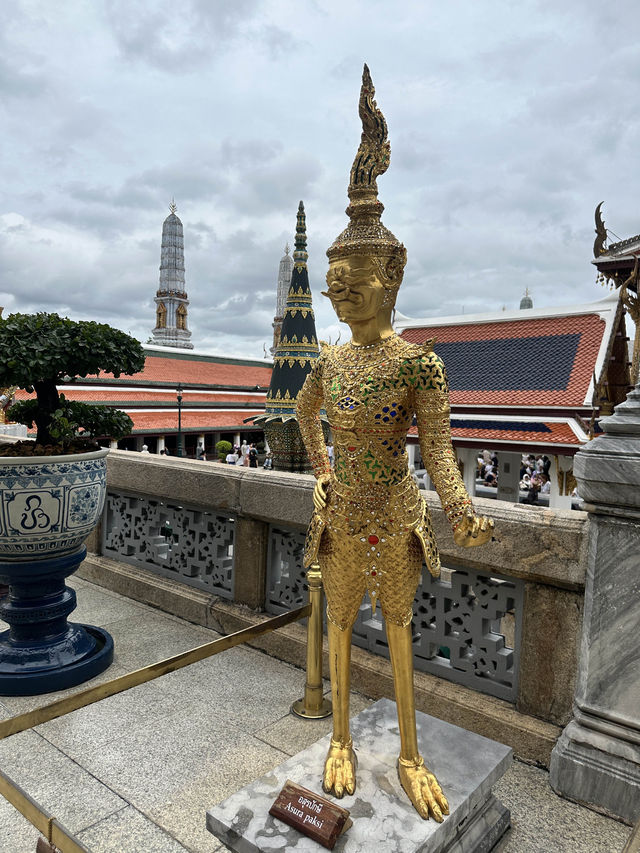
167,422
116,395
535,433
193,371
546,361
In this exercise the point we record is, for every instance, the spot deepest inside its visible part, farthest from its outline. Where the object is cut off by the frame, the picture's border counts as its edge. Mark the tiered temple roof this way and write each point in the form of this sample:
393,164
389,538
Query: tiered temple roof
218,393
534,378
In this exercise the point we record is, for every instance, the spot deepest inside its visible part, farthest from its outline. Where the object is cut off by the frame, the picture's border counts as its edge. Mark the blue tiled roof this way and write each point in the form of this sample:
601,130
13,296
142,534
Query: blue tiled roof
511,426
539,363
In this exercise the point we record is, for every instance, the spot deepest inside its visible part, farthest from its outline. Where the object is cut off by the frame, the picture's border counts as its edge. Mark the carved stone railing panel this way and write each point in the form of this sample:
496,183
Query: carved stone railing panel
286,578
187,543
459,620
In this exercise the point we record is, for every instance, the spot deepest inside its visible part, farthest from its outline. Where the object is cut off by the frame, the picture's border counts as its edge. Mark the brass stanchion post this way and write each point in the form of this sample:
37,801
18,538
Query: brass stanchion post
313,705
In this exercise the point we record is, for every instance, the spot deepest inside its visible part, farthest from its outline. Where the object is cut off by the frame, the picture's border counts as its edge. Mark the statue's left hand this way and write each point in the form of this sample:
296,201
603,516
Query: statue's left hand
473,530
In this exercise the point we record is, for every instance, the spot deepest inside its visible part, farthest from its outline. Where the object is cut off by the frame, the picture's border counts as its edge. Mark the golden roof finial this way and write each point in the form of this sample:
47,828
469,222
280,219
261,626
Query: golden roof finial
601,234
173,206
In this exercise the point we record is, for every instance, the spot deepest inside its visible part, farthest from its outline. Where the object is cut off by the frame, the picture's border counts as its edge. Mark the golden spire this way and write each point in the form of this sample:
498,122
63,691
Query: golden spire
173,206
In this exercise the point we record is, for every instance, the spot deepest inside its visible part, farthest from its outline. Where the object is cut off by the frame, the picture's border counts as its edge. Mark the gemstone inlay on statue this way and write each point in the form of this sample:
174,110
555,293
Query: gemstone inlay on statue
370,530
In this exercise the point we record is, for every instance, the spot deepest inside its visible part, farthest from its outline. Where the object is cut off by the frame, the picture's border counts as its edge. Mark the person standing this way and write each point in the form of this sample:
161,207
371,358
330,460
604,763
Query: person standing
253,457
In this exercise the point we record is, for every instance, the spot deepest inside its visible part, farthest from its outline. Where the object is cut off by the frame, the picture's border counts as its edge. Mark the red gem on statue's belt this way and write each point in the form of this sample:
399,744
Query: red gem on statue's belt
351,449
373,539
373,573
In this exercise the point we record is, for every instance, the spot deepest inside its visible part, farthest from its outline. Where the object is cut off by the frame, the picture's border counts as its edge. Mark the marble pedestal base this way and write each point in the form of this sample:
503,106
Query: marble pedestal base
467,766
597,769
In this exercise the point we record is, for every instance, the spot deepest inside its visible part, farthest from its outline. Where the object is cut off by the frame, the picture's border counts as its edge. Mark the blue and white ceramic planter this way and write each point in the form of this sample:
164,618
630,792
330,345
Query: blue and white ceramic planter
49,504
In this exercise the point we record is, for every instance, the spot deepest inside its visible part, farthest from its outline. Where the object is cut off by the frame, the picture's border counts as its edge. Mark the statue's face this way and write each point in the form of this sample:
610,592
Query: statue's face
355,289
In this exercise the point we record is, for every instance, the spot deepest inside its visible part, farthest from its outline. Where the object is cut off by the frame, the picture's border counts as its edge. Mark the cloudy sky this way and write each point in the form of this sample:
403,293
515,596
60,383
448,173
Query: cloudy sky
509,121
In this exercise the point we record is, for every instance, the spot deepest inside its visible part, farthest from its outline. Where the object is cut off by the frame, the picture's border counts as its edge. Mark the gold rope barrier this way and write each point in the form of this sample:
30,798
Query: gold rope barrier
147,673
39,817
313,706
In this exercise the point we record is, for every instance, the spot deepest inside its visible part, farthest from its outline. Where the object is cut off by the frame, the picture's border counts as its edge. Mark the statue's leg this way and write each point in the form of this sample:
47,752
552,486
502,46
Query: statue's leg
420,785
340,765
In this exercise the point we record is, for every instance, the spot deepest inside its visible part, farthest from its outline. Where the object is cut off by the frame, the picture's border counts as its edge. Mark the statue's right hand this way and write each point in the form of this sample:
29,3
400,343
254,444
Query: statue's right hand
320,491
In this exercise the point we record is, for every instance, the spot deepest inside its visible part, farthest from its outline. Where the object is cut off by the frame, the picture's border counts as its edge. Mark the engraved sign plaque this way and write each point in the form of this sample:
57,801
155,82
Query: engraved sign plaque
310,814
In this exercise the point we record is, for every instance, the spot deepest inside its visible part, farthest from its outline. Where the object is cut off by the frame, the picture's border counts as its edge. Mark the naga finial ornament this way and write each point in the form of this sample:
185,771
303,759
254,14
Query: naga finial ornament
371,531
601,233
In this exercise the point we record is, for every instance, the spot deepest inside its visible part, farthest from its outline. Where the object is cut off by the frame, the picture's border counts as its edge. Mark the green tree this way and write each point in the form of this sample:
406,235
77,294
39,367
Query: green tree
223,448
39,351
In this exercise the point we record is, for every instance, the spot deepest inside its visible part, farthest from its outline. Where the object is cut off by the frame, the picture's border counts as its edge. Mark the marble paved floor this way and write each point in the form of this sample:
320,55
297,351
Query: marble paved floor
136,772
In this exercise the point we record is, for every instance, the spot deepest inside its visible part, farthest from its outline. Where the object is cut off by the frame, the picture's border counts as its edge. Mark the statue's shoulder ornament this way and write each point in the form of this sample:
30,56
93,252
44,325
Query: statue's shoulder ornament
423,368
417,351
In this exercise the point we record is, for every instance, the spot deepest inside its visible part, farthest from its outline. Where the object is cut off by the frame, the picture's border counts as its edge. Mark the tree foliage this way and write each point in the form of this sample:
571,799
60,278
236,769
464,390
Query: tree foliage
38,351
73,419
49,348
223,448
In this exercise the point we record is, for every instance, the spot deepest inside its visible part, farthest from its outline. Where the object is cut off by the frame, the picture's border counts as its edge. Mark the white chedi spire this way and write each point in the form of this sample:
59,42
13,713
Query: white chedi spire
171,300
284,280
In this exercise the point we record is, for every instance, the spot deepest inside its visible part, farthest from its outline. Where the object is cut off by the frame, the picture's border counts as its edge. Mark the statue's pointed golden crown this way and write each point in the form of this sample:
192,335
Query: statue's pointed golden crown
365,234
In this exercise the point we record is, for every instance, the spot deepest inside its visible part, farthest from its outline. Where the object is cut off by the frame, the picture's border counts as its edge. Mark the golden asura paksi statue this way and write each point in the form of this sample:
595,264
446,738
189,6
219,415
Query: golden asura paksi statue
370,530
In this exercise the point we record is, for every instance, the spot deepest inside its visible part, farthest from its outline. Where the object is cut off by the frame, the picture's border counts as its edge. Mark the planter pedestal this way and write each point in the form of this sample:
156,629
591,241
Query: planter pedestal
42,651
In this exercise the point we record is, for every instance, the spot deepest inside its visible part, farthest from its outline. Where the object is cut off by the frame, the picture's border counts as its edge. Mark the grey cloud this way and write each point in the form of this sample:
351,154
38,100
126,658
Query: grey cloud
175,38
277,41
83,121
244,154
20,82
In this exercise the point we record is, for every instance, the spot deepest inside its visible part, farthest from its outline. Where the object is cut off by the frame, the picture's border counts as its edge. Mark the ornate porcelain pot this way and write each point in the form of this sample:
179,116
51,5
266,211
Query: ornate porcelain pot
49,504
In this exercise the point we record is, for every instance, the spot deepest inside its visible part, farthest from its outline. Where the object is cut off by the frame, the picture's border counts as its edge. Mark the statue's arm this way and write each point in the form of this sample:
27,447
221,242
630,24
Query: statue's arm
434,434
431,403
309,403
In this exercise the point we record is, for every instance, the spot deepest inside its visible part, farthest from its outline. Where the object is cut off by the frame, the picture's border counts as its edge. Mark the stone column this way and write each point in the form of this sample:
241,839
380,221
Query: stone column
509,476
467,455
411,455
161,444
597,758
113,444
251,545
561,467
